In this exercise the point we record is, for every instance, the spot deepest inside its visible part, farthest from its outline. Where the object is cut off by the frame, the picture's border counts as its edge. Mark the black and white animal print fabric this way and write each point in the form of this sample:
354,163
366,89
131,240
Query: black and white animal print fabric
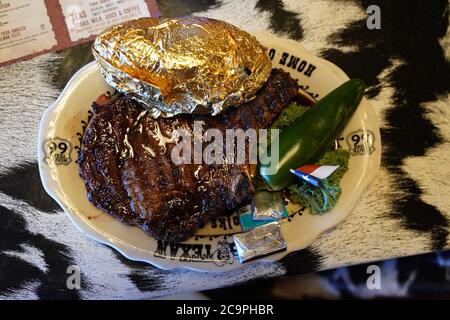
405,211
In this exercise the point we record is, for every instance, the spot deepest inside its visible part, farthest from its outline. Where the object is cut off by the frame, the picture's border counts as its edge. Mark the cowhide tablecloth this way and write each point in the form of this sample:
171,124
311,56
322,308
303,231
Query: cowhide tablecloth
405,211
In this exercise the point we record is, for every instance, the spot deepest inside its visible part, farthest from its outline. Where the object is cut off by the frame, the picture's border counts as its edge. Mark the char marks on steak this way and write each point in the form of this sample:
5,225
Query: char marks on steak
125,162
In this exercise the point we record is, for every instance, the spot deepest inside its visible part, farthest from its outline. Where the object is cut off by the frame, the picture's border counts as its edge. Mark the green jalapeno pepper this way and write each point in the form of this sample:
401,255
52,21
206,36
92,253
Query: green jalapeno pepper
307,138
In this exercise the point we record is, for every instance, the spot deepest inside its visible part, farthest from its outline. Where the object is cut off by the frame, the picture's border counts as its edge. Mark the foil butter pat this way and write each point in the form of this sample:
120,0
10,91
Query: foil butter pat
267,206
261,241
182,65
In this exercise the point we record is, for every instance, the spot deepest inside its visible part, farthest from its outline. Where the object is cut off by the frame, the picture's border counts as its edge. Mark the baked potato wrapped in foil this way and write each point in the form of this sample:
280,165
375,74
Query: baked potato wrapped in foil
182,65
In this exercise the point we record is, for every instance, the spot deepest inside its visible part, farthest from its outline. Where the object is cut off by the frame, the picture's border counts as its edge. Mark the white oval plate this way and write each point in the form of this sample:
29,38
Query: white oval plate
212,249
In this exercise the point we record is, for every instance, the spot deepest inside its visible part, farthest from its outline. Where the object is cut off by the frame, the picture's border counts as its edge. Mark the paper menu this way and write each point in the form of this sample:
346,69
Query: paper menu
25,29
87,18
32,27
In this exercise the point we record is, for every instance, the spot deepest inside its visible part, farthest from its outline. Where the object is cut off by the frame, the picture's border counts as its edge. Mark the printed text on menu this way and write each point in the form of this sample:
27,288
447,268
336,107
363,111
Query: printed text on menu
87,18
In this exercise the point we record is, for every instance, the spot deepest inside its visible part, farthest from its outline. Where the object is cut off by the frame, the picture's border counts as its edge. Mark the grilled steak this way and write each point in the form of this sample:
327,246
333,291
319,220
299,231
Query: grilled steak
125,162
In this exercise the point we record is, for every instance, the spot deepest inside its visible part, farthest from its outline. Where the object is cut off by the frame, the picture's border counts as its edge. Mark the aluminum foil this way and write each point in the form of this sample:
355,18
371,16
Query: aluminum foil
267,205
248,223
260,241
182,65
